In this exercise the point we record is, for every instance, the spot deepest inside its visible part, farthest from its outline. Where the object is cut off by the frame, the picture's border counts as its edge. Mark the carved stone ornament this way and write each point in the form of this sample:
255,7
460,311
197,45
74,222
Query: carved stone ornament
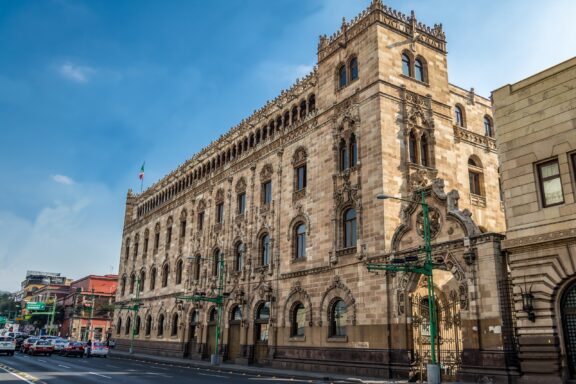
421,178
266,172
299,157
434,219
241,185
220,195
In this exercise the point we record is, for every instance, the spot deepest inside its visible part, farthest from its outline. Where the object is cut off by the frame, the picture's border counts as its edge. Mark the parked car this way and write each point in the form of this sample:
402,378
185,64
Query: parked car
41,347
73,348
7,345
27,343
58,344
99,349
20,339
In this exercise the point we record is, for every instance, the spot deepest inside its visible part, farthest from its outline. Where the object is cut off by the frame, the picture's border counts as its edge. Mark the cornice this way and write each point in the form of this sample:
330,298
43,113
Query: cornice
540,240
464,135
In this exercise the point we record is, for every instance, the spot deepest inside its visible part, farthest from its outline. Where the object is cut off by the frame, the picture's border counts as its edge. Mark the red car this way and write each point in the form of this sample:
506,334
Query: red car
73,348
41,347
27,343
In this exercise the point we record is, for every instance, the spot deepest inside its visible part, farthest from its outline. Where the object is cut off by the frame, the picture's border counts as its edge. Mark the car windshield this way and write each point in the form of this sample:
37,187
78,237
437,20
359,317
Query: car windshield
42,342
77,344
32,340
99,344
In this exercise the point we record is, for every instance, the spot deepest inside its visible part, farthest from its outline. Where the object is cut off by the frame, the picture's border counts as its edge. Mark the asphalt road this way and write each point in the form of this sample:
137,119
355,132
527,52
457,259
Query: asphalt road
22,368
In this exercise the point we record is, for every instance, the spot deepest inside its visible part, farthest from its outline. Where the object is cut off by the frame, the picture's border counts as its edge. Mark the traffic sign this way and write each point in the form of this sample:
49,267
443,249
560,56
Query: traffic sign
3,319
36,305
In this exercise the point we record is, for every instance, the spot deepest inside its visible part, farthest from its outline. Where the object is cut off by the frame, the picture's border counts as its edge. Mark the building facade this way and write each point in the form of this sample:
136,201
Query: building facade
536,136
89,308
287,198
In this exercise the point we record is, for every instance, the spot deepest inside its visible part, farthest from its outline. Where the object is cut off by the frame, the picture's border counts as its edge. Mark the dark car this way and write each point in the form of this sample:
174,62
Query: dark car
20,339
27,343
41,347
73,348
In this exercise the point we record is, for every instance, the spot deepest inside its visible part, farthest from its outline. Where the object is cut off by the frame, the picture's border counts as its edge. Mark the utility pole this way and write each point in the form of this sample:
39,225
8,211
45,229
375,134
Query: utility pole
135,307
218,300
412,264
89,325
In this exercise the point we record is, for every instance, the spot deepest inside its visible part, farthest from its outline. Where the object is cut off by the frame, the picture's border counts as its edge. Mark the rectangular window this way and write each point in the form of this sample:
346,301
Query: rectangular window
183,228
474,179
220,212
241,203
301,178
168,236
200,220
267,192
156,242
145,245
550,183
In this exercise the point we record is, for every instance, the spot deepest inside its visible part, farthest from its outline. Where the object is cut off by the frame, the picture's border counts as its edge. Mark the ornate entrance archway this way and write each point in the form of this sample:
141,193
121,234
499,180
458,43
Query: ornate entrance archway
568,311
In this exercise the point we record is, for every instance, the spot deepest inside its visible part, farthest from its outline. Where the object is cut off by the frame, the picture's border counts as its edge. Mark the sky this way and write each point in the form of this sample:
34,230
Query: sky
89,90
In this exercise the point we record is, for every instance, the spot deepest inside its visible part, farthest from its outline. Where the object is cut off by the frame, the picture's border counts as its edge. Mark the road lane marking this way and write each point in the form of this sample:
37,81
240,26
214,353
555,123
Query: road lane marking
63,366
20,375
98,374
206,374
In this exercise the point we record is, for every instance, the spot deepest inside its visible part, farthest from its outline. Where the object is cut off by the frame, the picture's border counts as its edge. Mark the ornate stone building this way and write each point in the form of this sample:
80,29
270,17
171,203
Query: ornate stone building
537,140
287,197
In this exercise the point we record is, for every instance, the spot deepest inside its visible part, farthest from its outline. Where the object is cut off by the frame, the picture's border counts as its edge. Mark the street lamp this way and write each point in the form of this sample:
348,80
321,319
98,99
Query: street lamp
426,269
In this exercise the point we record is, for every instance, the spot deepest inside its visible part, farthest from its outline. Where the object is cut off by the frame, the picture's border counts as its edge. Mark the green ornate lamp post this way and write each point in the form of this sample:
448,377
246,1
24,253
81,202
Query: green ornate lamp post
135,306
414,265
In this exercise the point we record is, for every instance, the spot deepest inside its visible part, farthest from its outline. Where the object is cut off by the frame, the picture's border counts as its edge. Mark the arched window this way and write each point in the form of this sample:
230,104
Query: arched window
302,109
213,316
424,151
459,116
238,257
119,326
216,262
127,327
300,241
142,281
311,103
261,322
488,130
148,327
161,324
179,268
298,320
132,281
137,326
342,76
338,319
174,328
127,248
350,228
123,285
343,156
406,65
265,249
354,69
153,278
353,151
197,268
419,71
412,147
165,274
475,176
236,314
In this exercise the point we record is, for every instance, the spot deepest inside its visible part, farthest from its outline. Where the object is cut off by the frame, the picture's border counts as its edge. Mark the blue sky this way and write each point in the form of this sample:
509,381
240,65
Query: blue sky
91,89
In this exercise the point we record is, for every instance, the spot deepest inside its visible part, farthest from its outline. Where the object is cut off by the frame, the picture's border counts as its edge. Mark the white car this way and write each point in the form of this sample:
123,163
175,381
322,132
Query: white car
58,344
99,349
7,345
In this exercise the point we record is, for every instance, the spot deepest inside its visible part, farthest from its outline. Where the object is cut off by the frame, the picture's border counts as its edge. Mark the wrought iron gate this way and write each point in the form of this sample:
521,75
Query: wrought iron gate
449,340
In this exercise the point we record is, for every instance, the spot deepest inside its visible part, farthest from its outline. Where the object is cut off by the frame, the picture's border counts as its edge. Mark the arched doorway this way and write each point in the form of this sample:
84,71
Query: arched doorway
448,343
568,309
211,332
192,333
261,328
234,332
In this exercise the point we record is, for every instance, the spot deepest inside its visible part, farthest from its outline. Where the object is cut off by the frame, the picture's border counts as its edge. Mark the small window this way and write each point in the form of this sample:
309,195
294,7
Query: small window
148,326
137,326
550,183
174,328
459,116
354,69
145,245
153,279
301,177
419,70
213,316
265,250
343,156
300,241
182,229
168,236
142,281
128,325
156,241
197,268
220,213
132,281
165,273
475,177
241,203
412,147
350,228
338,319
161,325
267,192
488,129
424,151
353,151
119,326
406,67
298,320
262,318
342,76
200,220
127,249
236,313
123,286
179,268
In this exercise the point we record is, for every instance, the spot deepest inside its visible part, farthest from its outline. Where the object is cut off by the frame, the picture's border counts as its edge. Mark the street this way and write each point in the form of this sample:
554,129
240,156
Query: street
57,369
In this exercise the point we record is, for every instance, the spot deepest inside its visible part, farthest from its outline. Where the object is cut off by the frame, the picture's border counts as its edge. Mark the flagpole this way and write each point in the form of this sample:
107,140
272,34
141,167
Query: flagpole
141,176
141,184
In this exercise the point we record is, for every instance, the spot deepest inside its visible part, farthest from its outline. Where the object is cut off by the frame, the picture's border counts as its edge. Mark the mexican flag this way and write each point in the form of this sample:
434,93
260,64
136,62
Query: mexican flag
141,174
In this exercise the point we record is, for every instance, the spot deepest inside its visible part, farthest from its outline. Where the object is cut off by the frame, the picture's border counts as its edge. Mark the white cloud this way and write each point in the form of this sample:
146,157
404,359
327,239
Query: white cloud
76,73
63,179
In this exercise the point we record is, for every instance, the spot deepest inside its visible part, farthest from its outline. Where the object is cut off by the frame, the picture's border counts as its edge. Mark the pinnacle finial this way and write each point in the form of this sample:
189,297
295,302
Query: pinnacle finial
343,22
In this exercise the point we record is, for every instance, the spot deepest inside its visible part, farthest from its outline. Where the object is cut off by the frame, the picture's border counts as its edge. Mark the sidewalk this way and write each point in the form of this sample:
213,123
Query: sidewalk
252,370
